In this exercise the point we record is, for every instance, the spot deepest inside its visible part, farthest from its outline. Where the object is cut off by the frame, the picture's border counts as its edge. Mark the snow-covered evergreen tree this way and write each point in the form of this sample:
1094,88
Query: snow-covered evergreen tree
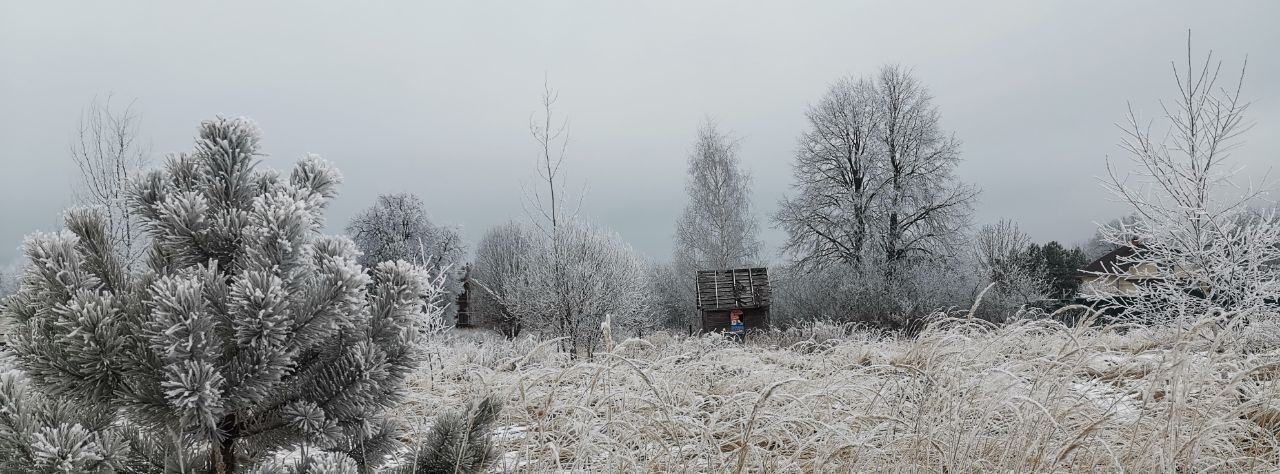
247,334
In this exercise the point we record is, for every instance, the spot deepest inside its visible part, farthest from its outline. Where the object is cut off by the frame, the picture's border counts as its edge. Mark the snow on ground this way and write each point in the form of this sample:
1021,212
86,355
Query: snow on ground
962,397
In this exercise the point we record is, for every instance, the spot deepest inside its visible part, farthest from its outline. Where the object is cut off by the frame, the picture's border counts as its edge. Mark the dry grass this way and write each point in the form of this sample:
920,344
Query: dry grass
964,396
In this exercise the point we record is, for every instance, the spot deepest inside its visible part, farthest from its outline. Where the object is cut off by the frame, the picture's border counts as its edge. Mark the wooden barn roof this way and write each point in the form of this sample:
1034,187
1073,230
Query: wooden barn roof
740,288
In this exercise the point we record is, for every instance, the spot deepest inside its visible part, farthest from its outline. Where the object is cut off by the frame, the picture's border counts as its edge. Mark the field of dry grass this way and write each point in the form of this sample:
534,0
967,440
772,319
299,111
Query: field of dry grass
963,396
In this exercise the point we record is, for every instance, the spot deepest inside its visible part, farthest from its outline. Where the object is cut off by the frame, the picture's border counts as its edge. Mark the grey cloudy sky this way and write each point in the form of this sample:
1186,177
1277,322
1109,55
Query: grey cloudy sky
435,99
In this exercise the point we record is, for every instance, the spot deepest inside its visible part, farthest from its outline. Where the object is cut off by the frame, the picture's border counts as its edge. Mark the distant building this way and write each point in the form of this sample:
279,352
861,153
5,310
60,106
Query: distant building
463,302
1118,272
722,292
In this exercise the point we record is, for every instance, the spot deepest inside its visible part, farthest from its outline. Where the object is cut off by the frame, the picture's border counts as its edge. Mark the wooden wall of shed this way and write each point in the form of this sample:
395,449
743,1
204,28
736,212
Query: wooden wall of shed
718,320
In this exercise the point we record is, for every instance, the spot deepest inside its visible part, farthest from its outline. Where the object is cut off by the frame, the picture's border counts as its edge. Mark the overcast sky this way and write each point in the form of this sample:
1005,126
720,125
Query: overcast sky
435,99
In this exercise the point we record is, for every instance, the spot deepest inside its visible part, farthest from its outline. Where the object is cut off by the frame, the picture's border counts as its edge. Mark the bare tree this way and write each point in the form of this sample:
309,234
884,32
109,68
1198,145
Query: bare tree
396,227
875,170
926,208
107,151
1000,253
1000,246
501,270
717,229
673,287
1198,246
837,178
545,207
572,274
599,275
527,285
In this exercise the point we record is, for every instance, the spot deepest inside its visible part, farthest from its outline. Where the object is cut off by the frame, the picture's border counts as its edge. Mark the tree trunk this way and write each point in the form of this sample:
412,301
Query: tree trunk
222,455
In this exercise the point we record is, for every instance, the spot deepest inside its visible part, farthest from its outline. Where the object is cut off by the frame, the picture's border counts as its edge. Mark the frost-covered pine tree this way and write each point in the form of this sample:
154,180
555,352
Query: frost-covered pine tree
247,334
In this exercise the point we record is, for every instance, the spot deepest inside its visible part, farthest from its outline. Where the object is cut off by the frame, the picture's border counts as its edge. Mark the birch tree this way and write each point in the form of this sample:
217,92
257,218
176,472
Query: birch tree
718,228
108,153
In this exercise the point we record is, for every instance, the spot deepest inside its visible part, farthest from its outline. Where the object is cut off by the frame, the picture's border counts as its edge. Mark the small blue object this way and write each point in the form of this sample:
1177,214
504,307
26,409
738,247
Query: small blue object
736,326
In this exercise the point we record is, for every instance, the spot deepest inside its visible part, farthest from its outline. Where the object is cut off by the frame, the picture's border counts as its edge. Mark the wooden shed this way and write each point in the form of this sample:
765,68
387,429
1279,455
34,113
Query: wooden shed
722,291
463,319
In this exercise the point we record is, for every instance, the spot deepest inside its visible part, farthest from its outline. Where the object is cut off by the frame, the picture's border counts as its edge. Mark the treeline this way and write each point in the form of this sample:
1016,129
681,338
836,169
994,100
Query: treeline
878,231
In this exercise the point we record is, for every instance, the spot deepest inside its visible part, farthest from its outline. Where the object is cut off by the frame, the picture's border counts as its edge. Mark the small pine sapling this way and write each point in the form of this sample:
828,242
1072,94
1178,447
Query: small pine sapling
459,442
247,334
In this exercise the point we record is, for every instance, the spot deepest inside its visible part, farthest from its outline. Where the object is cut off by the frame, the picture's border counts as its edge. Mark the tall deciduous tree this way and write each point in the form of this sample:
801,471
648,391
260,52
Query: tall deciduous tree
838,178
875,179
247,334
718,228
108,153
397,227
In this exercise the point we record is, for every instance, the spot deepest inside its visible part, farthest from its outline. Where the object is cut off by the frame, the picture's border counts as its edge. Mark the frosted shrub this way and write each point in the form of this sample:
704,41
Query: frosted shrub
1197,248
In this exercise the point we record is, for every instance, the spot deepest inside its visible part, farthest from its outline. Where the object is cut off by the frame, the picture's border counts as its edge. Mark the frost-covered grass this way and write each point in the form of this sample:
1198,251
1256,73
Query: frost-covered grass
963,396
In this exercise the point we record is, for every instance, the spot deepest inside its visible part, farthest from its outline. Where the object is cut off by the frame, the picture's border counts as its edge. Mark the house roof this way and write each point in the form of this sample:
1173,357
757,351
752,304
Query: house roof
1119,260
739,288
